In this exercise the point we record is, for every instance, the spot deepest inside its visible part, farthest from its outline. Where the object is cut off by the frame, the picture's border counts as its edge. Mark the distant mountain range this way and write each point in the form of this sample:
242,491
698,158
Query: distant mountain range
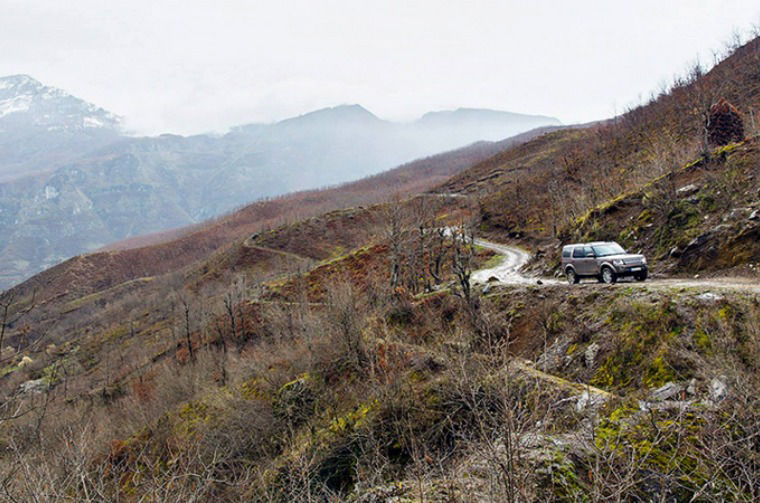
71,181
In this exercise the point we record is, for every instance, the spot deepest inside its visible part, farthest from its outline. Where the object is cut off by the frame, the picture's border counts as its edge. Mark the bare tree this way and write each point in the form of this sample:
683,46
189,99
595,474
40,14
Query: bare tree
186,309
395,235
463,247
11,312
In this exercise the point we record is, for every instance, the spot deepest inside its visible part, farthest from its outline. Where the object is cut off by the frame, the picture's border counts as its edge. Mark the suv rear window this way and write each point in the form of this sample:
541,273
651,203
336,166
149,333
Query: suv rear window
566,252
578,252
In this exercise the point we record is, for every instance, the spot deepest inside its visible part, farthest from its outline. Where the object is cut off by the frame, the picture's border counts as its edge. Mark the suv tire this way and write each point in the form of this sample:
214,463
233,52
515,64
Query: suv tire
572,278
608,275
641,276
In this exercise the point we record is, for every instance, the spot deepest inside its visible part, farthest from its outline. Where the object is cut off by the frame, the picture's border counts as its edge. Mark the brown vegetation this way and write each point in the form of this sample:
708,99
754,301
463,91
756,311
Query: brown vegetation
347,356
724,124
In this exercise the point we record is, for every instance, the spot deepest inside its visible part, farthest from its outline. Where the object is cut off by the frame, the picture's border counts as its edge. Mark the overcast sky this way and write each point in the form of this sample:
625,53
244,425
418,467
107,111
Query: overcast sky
192,66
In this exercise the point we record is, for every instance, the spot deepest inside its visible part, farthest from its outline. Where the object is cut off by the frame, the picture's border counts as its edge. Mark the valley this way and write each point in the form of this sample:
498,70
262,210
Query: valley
72,181
409,336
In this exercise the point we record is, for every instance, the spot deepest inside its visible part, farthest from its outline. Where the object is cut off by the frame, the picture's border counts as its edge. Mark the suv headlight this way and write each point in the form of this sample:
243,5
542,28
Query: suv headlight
644,260
617,262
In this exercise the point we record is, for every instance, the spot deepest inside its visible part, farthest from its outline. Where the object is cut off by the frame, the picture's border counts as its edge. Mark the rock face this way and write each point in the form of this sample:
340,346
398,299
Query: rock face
71,182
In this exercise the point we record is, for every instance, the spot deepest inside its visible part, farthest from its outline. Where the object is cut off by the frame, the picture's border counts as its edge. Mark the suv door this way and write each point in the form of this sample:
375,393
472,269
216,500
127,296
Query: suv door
579,260
592,263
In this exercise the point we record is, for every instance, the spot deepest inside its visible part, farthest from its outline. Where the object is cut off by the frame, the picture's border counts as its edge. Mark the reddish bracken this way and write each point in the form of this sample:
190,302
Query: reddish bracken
724,124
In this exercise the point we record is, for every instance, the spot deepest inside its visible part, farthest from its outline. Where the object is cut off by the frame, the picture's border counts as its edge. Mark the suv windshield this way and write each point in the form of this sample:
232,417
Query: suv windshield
608,249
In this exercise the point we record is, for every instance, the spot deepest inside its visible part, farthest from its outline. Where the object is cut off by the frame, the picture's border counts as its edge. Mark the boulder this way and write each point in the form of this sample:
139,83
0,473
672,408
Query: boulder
687,190
590,355
666,392
34,386
718,388
692,387
709,297
586,400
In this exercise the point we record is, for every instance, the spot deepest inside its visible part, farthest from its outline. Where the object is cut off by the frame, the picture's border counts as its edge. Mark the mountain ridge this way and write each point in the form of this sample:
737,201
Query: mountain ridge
81,183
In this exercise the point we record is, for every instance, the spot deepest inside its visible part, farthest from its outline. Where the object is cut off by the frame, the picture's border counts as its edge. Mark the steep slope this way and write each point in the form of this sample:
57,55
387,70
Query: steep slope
545,188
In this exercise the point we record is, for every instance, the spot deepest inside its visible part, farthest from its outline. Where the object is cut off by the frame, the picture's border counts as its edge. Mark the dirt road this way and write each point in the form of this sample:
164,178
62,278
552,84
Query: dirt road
508,273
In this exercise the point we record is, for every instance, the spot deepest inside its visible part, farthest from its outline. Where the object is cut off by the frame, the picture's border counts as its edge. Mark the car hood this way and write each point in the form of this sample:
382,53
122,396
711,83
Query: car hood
628,258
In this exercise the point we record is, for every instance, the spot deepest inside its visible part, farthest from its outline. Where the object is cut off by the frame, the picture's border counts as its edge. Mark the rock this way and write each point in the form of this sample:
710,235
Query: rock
699,241
34,386
675,252
687,190
582,402
680,405
554,357
718,388
25,361
755,215
669,390
539,282
586,400
493,279
709,297
486,288
692,200
733,213
590,355
692,387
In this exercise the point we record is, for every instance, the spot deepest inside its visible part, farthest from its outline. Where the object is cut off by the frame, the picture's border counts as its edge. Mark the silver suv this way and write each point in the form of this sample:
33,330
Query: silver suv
606,261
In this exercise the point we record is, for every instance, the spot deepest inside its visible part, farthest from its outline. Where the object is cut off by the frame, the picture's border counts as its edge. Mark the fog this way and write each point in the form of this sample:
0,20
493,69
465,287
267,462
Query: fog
194,66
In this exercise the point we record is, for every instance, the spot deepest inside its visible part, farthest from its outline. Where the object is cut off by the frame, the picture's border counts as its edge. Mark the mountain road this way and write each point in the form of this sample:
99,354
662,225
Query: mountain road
508,272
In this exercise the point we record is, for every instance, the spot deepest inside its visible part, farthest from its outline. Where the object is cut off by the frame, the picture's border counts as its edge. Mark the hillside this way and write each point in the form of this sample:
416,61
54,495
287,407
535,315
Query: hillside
343,354
72,182
164,253
544,185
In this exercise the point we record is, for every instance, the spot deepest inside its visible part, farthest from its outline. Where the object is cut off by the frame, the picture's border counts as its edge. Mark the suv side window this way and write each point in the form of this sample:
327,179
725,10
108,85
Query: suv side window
566,253
589,252
578,252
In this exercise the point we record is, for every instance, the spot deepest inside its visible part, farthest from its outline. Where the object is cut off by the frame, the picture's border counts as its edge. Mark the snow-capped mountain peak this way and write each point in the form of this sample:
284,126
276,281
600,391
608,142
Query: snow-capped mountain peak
26,101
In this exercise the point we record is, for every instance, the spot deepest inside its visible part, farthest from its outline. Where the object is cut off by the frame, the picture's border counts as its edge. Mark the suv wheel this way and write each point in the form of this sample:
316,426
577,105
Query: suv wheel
572,278
641,277
608,275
